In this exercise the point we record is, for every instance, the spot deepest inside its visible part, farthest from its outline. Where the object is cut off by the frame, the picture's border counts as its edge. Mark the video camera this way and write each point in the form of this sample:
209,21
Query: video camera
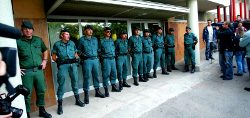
9,57
5,103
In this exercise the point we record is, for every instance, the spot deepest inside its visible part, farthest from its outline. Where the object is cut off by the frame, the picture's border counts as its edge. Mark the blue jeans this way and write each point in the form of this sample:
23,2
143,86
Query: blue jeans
239,61
209,49
227,65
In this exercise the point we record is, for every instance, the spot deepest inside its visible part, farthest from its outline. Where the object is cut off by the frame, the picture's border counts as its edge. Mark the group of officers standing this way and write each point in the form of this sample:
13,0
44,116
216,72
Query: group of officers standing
113,56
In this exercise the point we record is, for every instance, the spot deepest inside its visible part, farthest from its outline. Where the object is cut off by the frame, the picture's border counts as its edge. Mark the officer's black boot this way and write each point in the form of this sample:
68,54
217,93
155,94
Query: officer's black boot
154,75
169,69
114,88
145,77
149,76
193,69
86,97
141,79
186,69
44,113
174,68
120,85
106,91
28,114
98,93
78,101
164,72
136,81
60,108
125,84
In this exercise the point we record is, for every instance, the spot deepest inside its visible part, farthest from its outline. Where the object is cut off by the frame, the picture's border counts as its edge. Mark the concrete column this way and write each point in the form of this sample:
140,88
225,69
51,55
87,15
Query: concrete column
80,28
194,24
129,29
6,11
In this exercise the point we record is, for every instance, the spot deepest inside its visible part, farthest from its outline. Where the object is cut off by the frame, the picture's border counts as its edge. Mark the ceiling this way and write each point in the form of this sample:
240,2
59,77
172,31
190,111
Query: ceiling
93,8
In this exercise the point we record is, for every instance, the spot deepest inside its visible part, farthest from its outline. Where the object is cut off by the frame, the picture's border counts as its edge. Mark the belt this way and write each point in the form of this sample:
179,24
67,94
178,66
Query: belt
109,58
89,58
137,52
145,52
33,69
187,45
124,54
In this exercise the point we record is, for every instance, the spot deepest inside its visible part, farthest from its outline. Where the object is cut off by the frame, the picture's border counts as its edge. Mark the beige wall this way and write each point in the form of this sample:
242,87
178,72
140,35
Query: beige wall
179,28
28,8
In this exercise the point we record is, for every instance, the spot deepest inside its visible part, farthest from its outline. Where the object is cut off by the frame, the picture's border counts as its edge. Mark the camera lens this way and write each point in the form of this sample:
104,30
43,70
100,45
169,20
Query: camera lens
16,113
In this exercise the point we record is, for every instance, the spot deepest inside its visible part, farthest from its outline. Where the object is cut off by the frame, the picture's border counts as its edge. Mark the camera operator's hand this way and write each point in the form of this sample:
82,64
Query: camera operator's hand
6,116
22,72
2,66
44,62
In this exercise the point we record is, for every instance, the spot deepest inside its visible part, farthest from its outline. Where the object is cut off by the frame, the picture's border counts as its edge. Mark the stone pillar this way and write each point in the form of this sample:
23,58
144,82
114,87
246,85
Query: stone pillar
193,23
6,11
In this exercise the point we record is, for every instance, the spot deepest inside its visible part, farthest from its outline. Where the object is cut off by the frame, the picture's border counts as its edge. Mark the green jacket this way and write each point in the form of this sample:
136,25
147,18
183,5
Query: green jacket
30,52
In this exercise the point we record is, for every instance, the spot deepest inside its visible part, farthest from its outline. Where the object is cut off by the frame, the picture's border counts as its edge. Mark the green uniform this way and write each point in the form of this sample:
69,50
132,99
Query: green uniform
147,54
88,48
169,40
189,39
135,46
65,52
159,52
30,57
107,50
122,58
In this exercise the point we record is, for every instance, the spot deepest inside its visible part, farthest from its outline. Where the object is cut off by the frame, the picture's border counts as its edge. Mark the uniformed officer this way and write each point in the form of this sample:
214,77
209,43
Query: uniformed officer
159,52
170,50
147,54
135,49
33,57
107,55
190,40
121,47
88,50
64,53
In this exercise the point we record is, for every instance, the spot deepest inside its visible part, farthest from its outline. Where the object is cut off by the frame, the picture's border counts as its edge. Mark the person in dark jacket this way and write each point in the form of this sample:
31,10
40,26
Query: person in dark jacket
226,36
209,38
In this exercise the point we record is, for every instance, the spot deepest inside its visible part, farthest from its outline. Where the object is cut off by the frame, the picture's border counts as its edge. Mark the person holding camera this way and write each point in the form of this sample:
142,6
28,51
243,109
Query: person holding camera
33,57
64,53
190,40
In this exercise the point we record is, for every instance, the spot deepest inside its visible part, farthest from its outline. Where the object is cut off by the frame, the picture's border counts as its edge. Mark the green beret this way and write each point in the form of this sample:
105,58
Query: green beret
27,24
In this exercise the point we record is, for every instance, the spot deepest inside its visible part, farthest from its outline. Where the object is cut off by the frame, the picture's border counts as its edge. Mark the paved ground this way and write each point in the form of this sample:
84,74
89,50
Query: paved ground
178,95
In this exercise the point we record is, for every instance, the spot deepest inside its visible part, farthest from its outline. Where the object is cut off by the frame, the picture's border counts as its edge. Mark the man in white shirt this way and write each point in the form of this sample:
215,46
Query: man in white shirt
209,37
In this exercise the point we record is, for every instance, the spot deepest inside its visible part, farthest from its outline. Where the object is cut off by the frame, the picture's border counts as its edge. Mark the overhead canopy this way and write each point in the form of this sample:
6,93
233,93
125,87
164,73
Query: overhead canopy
203,5
132,9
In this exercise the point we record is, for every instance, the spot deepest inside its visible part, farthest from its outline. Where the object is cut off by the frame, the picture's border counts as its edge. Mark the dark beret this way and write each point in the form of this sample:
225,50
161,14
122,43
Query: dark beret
27,24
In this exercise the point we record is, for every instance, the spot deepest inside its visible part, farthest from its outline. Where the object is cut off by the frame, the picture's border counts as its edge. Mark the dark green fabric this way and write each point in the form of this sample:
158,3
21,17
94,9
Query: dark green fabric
34,79
30,51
